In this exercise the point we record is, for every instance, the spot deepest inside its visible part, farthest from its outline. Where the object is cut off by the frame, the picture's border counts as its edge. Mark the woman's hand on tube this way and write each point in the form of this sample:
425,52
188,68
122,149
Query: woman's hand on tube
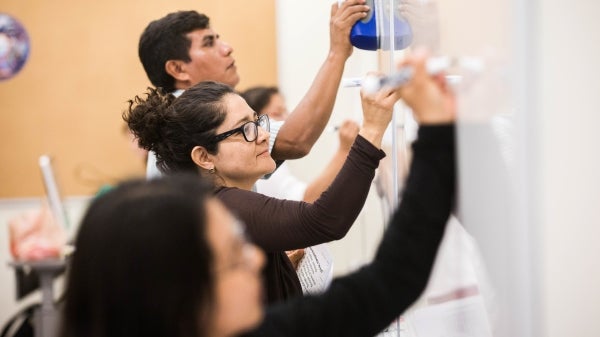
377,113
429,96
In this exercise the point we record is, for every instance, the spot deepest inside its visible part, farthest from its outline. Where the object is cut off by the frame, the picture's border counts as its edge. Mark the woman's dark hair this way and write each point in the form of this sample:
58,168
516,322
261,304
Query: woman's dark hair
142,263
166,39
258,97
172,127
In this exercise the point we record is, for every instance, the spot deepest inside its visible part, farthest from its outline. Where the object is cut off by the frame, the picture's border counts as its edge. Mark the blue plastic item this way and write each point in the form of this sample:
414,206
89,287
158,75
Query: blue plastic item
371,33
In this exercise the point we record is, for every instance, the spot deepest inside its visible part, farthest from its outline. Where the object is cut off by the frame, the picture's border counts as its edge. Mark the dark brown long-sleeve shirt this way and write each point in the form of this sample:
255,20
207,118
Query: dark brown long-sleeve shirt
278,225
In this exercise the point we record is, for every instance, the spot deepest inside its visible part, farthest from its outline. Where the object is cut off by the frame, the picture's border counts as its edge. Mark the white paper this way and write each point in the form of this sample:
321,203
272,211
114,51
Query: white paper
465,317
315,270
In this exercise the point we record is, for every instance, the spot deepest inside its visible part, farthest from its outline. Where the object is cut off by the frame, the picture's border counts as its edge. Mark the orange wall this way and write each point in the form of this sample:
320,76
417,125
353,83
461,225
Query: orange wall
83,67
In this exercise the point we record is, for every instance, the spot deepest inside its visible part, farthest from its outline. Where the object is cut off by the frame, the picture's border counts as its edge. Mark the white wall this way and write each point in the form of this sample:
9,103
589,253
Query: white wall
568,119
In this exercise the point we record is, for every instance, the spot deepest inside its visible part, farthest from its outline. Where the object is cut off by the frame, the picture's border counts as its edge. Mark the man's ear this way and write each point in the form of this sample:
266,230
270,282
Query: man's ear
176,69
202,158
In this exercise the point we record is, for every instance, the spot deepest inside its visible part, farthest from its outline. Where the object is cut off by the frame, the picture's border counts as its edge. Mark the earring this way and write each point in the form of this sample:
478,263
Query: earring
211,170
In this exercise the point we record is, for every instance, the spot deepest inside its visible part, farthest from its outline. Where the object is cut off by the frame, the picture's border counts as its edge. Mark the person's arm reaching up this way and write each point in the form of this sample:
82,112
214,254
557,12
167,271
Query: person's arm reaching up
307,121
277,225
347,134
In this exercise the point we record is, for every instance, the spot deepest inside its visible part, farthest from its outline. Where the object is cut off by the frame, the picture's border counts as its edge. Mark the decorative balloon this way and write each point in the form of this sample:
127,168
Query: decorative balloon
14,46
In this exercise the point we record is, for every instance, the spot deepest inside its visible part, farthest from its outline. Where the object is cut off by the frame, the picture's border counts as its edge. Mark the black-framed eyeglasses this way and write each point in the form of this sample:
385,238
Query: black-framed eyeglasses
249,130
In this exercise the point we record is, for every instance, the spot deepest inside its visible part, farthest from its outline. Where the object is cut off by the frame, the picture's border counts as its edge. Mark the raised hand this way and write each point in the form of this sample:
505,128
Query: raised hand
377,113
343,17
347,133
429,96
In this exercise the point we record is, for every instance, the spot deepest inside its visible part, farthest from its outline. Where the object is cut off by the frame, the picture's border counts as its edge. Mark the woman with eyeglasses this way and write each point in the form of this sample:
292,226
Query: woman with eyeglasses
166,258
211,131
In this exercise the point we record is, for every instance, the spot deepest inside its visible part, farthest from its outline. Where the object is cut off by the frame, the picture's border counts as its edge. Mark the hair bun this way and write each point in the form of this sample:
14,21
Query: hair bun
146,116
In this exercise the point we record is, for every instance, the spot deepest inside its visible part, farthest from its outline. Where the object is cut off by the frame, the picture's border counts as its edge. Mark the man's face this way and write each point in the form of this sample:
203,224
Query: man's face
211,60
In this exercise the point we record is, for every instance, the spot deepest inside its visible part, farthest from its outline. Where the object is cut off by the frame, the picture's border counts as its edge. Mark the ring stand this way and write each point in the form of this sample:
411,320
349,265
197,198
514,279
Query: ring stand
46,316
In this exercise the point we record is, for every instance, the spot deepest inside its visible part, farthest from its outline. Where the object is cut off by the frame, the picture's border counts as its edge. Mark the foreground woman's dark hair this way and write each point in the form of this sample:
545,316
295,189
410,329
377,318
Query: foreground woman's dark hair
141,265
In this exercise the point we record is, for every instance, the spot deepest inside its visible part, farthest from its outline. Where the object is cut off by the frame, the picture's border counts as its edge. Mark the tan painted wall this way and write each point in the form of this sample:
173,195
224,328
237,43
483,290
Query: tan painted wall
83,66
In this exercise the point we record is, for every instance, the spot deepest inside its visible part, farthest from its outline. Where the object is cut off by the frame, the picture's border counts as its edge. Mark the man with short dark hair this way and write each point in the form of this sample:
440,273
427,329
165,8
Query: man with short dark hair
181,50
